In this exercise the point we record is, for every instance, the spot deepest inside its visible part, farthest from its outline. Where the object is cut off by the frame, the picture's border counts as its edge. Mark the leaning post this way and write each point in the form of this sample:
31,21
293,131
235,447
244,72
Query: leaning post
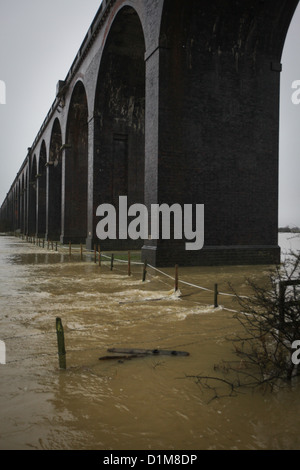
61,344
112,262
176,278
144,271
216,296
129,264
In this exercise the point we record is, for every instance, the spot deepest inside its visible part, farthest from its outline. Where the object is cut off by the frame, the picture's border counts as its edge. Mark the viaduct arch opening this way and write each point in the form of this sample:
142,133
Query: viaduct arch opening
18,206
23,205
32,199
54,178
41,192
75,175
119,132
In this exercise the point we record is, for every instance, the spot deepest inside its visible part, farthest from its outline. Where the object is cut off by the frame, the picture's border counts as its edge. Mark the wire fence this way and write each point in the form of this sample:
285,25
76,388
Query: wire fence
99,256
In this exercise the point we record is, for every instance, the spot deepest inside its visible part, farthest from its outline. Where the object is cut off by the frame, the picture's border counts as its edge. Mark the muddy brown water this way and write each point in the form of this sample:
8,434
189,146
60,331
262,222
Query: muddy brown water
148,403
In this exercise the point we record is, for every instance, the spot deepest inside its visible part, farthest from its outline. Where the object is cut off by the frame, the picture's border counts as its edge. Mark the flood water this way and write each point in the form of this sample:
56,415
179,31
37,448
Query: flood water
148,403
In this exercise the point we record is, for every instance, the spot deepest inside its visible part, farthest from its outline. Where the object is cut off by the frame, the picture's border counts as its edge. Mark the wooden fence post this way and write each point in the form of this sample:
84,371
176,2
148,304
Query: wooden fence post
112,262
176,278
61,344
144,271
216,296
129,264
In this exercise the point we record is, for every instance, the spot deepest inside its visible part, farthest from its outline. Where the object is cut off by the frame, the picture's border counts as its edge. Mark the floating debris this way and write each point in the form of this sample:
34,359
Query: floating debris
130,353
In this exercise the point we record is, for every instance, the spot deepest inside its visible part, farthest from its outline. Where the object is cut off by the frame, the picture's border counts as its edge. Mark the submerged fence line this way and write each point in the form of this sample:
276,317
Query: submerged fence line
112,259
110,262
98,255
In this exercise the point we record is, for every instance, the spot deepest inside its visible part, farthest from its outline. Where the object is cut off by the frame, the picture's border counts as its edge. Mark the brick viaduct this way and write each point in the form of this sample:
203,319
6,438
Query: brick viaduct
166,101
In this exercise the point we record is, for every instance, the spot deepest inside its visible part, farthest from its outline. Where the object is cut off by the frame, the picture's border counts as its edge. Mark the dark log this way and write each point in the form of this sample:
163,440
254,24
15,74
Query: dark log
154,352
122,357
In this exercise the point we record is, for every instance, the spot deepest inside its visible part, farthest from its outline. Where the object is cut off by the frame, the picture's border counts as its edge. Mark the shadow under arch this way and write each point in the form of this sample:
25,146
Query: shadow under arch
41,192
75,169
119,126
18,205
32,197
54,179
23,204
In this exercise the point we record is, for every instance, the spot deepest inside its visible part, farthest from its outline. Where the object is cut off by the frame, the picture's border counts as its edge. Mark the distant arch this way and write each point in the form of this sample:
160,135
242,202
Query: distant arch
17,205
32,197
54,196
26,196
75,174
41,191
23,204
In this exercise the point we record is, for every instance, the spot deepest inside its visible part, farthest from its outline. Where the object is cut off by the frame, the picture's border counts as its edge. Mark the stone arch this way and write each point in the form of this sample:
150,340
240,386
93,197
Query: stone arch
119,128
17,205
54,175
75,168
41,191
23,204
26,196
32,197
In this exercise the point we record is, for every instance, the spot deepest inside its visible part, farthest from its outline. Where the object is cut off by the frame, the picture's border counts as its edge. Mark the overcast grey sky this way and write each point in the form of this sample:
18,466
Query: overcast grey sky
39,40
289,150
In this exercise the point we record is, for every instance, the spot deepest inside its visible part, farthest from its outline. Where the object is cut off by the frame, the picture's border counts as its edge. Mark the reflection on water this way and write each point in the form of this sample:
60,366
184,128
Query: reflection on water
145,403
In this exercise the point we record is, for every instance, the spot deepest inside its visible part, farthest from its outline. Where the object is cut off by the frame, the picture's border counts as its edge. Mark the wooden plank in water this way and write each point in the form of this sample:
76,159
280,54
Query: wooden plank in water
122,357
154,352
